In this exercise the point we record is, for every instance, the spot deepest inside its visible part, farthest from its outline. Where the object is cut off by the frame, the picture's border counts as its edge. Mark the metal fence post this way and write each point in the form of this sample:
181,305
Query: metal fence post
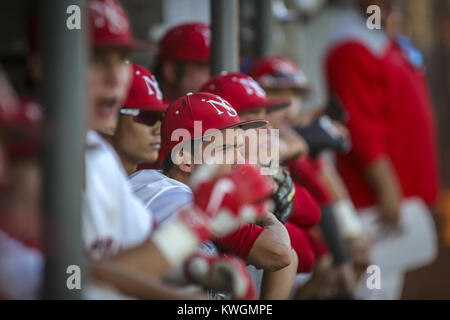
63,54
225,37
264,28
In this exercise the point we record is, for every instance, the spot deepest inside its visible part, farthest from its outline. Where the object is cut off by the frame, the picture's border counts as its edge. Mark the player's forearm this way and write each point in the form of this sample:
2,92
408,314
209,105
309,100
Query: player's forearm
277,285
133,283
145,259
333,182
383,180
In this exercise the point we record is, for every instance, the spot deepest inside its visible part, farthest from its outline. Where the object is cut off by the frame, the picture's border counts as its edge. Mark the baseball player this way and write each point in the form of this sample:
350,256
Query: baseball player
164,191
21,258
136,140
391,170
182,62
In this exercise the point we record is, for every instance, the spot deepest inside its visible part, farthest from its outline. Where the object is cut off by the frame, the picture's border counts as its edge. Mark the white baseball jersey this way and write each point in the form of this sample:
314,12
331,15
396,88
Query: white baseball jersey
21,269
161,195
113,218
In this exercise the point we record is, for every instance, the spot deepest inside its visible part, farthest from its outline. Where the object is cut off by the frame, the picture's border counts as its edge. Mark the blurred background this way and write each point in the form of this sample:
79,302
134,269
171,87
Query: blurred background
298,29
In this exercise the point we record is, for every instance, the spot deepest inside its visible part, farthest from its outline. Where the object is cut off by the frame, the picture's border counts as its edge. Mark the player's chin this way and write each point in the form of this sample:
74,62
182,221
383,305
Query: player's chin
105,125
152,155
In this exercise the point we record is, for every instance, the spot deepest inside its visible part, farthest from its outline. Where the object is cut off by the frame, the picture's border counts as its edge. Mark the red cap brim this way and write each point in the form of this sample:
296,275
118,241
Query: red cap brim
300,89
249,124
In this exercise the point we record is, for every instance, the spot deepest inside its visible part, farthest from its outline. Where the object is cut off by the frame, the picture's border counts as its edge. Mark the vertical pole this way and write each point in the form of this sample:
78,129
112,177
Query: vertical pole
63,54
264,28
225,37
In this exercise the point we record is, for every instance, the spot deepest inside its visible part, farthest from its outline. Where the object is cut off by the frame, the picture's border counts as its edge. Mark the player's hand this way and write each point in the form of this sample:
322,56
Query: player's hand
320,284
222,273
360,249
345,278
284,195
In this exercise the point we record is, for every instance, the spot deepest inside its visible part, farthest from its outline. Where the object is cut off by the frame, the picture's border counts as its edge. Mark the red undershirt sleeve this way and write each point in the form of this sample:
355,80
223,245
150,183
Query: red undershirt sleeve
241,241
301,245
306,211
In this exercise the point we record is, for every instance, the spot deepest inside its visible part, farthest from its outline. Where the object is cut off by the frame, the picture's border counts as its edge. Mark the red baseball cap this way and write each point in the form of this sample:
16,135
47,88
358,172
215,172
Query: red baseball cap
279,72
213,111
144,93
109,26
186,42
18,116
23,130
242,91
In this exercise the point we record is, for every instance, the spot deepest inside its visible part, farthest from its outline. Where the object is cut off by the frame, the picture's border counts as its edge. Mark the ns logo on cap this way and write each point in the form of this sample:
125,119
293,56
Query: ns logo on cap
222,104
109,13
251,87
152,86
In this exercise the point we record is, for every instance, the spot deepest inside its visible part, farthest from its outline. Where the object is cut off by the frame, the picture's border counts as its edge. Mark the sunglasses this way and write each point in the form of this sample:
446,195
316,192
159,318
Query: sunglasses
148,118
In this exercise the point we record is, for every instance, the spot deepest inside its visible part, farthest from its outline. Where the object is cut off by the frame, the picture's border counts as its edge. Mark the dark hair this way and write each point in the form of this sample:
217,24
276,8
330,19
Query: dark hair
167,164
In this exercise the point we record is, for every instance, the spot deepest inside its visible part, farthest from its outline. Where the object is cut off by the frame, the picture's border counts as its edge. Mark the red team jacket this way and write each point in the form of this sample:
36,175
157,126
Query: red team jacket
389,113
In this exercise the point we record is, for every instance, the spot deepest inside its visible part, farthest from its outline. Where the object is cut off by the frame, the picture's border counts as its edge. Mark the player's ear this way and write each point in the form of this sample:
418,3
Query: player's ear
169,72
184,161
